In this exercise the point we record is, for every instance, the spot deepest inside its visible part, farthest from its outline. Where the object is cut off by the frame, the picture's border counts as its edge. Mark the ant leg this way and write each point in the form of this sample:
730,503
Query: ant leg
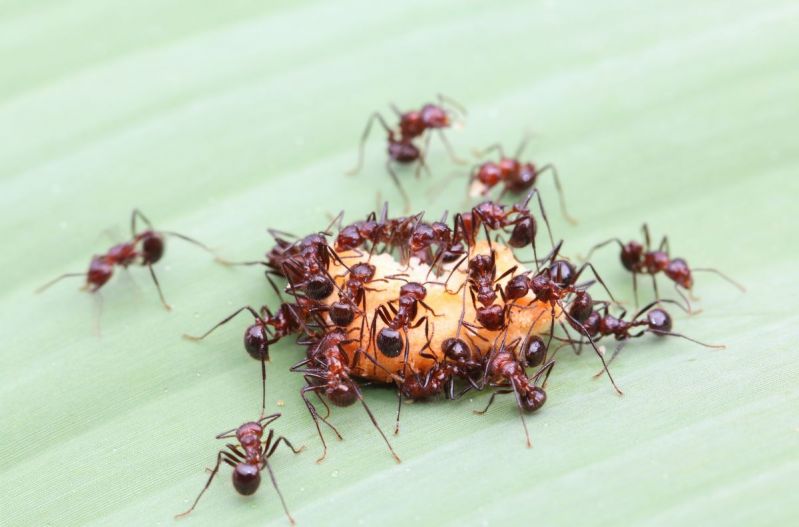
224,321
600,245
364,136
664,245
647,237
491,148
263,385
589,265
207,484
523,144
288,444
158,286
521,415
277,489
51,282
543,214
422,164
655,287
596,349
393,175
399,408
722,275
316,418
619,347
559,190
374,422
635,288
452,155
490,402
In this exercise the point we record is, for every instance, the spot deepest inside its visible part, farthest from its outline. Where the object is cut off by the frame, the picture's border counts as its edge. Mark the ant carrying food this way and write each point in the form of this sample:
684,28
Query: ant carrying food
641,259
249,458
145,248
515,176
326,371
412,125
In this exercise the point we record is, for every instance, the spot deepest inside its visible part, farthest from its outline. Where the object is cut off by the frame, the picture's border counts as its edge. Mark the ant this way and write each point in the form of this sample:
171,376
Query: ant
289,319
391,232
326,371
641,259
552,285
438,233
516,177
145,248
412,125
598,324
505,371
352,294
249,458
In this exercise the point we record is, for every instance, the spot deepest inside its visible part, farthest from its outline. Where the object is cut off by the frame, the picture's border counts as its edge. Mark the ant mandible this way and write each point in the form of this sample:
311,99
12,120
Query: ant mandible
248,459
517,177
412,125
641,259
145,248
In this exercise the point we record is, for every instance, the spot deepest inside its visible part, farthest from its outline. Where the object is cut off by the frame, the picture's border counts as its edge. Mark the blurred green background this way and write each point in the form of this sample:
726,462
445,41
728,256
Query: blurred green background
220,119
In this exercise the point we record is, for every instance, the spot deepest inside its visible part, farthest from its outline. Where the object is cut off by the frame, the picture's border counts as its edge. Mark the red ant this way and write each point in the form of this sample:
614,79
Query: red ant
505,371
412,125
657,321
438,233
516,177
268,329
641,259
248,459
326,371
352,294
552,285
145,248
391,232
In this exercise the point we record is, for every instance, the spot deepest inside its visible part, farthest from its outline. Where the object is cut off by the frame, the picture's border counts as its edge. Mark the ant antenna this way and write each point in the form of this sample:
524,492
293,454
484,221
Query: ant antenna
722,275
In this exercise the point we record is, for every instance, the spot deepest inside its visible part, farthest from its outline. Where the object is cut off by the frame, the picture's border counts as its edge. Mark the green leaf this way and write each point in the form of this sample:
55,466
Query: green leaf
221,120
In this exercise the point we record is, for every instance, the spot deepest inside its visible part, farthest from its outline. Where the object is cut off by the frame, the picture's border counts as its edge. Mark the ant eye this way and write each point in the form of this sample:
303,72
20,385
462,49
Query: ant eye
256,342
389,342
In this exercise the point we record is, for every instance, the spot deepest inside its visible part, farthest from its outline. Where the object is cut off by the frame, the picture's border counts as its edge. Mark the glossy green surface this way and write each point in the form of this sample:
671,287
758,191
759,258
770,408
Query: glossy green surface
220,120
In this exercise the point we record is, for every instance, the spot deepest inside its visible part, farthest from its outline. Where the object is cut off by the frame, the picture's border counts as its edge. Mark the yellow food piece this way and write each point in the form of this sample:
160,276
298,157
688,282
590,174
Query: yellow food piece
535,318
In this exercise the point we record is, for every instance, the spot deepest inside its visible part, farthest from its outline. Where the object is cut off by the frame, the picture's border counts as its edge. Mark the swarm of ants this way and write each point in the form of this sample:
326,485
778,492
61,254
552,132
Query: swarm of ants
436,309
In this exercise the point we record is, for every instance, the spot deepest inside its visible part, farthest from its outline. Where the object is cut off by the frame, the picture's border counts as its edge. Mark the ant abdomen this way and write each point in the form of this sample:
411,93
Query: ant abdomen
100,272
341,314
534,351
517,287
679,272
389,342
658,321
456,349
533,399
342,394
256,342
246,478
319,287
491,317
523,233
403,152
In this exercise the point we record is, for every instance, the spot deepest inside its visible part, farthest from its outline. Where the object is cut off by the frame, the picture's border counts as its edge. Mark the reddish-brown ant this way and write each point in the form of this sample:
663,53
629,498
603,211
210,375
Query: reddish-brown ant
145,248
412,125
656,320
326,371
516,177
248,459
552,285
641,259
505,371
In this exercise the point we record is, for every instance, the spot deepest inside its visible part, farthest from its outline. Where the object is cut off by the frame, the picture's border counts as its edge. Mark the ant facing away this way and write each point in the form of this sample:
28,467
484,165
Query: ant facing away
515,176
412,125
249,458
145,248
642,259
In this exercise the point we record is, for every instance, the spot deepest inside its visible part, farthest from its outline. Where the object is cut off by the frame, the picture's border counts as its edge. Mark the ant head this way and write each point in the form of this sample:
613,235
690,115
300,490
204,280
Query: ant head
246,478
489,174
152,246
678,271
100,271
534,350
423,237
256,341
363,271
658,321
517,287
524,178
581,307
348,238
318,287
523,233
414,290
491,317
403,151
342,394
249,434
631,254
456,350
533,399
435,116
562,273
389,342
481,264
341,313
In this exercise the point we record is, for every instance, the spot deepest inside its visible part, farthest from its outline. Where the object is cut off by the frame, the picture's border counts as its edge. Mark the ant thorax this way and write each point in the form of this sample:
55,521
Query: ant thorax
443,311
